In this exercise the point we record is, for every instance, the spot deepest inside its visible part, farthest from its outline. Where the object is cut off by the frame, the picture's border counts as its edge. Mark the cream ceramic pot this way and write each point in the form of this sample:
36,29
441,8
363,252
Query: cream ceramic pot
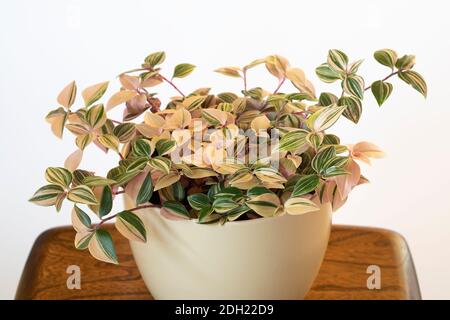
270,258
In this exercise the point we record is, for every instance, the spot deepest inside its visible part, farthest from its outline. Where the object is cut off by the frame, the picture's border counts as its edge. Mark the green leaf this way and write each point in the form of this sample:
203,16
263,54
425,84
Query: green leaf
381,91
161,164
222,204
386,57
47,195
326,74
293,140
106,202
125,132
182,70
176,208
155,58
333,171
80,219
314,139
109,141
141,148
146,190
82,194
205,213
337,60
257,191
131,226
354,66
96,116
229,192
126,177
101,247
415,80
354,108
406,62
322,157
138,164
165,146
178,191
199,201
94,181
326,99
305,185
59,176
354,85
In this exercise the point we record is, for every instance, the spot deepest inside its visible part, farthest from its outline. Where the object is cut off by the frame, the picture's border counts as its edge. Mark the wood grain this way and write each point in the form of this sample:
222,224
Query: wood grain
342,275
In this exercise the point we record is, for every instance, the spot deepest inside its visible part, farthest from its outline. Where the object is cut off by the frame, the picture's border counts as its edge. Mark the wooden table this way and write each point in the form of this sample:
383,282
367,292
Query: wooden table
343,274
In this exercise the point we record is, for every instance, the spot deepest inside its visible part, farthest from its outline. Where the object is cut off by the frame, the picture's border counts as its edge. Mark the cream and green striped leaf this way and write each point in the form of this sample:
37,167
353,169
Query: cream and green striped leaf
82,239
265,205
322,157
326,74
166,180
299,205
337,60
59,176
47,195
229,71
293,140
57,119
381,90
94,93
165,146
155,58
67,96
353,108
325,118
354,85
161,164
102,248
415,80
193,102
145,191
199,201
82,194
95,181
125,132
406,62
386,57
182,70
175,208
109,141
80,219
305,185
131,226
96,116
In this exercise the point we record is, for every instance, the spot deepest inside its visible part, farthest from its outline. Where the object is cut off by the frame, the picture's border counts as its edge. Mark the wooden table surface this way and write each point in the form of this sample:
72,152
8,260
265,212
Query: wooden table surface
343,274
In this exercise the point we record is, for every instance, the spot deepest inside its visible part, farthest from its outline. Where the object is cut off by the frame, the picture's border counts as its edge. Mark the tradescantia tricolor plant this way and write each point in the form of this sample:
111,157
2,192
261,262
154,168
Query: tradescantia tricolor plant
214,157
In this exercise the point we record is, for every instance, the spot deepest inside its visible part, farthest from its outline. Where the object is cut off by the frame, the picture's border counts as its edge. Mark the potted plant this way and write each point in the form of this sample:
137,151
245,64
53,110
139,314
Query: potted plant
227,195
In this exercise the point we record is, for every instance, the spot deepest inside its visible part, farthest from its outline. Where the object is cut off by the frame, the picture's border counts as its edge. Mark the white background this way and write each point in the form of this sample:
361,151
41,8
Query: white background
46,44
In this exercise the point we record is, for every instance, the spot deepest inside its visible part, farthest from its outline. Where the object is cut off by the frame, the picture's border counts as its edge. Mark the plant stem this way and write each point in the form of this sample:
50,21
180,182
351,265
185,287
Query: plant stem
172,84
391,75
279,85
132,209
116,122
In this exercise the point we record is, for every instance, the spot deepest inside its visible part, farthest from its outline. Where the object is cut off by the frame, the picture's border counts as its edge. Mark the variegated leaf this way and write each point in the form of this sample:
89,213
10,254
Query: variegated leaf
326,74
415,80
73,160
337,60
354,85
155,58
82,194
82,239
305,185
265,205
80,220
60,176
324,118
293,140
381,91
109,141
299,205
67,96
193,102
57,119
229,71
119,98
161,164
145,191
174,210
47,195
353,108
182,70
166,180
96,116
131,226
101,247
94,93
386,57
